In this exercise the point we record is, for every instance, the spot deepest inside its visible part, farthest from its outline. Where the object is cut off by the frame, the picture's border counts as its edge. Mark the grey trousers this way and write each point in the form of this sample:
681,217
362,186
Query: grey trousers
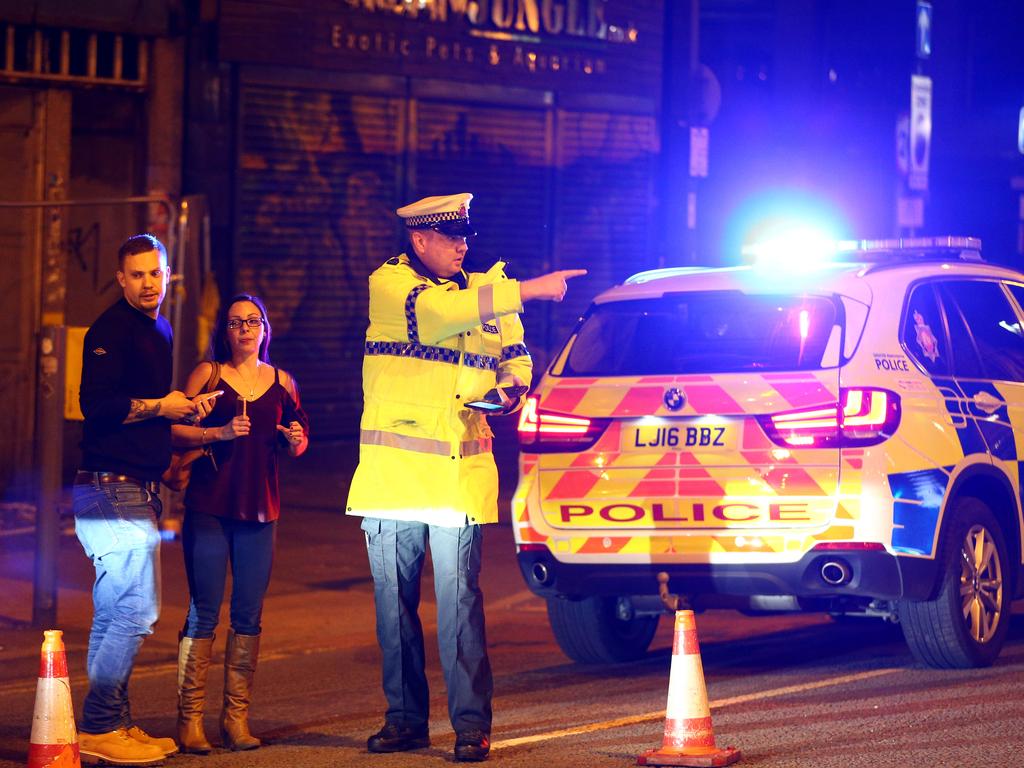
397,551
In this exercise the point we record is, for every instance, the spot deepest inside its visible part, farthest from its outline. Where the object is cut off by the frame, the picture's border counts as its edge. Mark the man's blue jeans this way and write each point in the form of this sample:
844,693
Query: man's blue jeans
397,550
116,524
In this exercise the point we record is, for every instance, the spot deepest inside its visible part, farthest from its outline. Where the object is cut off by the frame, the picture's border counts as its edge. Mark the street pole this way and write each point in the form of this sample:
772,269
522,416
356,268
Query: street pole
678,187
49,431
911,205
49,416
698,133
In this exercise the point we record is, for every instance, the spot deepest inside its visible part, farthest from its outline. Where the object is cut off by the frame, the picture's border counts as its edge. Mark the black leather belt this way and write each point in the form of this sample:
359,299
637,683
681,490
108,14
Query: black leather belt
101,478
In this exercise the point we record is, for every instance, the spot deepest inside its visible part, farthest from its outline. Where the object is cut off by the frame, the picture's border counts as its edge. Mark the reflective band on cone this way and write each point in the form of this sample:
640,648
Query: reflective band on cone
54,741
689,739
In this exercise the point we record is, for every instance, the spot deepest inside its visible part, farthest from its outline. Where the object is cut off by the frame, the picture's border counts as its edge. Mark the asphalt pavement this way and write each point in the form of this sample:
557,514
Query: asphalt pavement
789,690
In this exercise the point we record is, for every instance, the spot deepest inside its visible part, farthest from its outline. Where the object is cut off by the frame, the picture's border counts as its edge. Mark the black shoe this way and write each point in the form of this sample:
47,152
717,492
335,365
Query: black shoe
398,738
472,746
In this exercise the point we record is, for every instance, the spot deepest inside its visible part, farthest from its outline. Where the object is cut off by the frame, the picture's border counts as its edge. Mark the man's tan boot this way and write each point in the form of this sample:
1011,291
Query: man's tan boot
117,748
239,670
166,745
193,663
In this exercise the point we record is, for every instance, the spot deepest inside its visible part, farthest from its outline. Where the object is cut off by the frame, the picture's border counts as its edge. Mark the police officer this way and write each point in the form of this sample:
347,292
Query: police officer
439,339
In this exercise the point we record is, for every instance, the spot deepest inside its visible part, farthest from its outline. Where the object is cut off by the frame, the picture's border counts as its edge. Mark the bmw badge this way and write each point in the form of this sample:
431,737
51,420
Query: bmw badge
674,398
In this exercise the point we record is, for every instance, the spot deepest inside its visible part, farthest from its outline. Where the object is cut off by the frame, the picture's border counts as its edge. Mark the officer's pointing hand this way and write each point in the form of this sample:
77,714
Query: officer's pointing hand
551,286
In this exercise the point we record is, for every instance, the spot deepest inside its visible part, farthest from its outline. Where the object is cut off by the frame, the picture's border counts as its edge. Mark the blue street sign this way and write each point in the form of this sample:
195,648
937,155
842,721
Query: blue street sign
924,29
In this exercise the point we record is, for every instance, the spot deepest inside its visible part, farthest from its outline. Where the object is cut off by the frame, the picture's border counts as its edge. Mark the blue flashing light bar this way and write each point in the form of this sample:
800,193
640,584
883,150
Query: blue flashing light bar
803,252
911,243
793,249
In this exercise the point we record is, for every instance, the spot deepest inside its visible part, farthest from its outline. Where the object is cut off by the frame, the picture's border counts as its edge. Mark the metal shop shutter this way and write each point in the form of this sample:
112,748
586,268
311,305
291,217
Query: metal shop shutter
501,155
316,193
604,202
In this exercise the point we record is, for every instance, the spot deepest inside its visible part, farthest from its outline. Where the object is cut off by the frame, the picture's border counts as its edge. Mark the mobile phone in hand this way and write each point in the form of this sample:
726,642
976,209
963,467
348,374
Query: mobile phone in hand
492,401
485,406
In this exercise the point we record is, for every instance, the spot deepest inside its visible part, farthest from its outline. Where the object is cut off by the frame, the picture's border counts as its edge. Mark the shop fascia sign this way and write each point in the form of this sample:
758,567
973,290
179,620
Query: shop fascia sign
509,19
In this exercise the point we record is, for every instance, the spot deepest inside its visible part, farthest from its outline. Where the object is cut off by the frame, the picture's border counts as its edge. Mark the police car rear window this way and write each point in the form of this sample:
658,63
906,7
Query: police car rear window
704,332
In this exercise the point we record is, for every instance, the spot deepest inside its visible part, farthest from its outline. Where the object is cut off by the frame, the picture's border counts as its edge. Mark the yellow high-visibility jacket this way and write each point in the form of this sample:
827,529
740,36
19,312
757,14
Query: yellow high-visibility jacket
430,348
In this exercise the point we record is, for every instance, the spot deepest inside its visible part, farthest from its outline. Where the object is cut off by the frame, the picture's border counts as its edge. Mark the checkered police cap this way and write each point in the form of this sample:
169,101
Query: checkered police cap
447,214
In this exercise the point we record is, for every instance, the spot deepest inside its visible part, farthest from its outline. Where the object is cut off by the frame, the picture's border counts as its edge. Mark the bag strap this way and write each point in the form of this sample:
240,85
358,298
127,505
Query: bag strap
214,379
211,384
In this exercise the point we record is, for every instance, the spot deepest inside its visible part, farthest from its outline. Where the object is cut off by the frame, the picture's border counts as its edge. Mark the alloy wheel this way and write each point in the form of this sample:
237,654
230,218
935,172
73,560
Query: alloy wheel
981,584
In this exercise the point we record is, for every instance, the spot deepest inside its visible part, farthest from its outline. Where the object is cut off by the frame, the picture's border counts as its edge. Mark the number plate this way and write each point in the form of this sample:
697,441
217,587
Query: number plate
691,436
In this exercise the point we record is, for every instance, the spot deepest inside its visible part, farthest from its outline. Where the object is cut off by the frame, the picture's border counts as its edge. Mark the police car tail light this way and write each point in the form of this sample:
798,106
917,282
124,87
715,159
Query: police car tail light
864,546
546,432
863,416
533,548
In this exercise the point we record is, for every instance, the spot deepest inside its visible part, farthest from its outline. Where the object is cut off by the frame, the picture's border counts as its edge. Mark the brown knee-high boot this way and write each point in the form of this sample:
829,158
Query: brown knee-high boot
193,663
239,670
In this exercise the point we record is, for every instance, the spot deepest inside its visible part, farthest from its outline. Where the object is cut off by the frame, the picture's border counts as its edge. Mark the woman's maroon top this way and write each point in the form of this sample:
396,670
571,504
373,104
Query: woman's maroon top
244,485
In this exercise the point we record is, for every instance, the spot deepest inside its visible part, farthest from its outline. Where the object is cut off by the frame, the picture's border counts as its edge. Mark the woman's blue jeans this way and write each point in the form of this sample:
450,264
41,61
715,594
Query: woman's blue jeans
117,526
210,543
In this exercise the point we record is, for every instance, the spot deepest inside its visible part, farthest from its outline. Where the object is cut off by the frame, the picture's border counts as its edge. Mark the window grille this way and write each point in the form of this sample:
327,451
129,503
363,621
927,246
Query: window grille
73,56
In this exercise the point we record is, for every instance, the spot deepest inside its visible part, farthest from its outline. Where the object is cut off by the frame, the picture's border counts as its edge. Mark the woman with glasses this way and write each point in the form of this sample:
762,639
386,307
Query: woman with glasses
231,509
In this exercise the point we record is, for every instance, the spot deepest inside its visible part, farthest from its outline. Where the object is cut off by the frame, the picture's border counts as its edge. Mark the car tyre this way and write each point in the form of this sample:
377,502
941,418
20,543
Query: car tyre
591,632
965,625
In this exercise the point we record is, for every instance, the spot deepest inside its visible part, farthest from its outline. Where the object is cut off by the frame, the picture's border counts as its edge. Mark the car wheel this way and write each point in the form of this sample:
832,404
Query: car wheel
590,631
965,625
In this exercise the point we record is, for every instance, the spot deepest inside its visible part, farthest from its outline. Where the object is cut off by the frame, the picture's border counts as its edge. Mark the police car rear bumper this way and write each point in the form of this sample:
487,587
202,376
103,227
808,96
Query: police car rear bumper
869,574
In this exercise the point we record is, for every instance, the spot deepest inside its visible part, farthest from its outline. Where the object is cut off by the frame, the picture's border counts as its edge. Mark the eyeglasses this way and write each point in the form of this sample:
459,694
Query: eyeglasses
252,322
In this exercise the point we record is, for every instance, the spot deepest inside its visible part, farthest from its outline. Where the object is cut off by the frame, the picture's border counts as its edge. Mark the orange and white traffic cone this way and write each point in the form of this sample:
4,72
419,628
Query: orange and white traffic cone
54,741
689,738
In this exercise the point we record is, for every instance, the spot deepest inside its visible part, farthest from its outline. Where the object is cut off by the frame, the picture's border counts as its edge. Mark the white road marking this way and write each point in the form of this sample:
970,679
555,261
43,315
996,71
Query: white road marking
717,704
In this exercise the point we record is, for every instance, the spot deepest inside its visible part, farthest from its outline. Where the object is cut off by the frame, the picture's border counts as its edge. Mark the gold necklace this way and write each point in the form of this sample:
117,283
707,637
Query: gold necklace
252,386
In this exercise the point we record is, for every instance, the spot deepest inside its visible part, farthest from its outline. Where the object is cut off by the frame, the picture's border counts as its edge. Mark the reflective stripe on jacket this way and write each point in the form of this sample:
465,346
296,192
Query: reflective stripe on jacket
431,348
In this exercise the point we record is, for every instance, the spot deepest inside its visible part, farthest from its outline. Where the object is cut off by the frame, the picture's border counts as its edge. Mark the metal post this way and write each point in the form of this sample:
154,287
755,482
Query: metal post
693,112
49,431
678,189
49,416
176,289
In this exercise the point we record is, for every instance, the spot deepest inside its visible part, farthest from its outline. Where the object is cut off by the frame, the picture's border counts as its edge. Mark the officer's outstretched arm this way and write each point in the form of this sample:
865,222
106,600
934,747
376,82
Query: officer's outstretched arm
549,287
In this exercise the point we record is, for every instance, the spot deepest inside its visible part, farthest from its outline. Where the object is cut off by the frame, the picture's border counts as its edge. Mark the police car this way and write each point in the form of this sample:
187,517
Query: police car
844,438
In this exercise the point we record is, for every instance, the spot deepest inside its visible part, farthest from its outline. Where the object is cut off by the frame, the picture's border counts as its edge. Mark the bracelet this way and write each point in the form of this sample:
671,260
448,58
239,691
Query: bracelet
202,440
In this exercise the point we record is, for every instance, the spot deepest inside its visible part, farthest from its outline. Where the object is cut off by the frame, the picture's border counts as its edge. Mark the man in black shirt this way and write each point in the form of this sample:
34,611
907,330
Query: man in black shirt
126,445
